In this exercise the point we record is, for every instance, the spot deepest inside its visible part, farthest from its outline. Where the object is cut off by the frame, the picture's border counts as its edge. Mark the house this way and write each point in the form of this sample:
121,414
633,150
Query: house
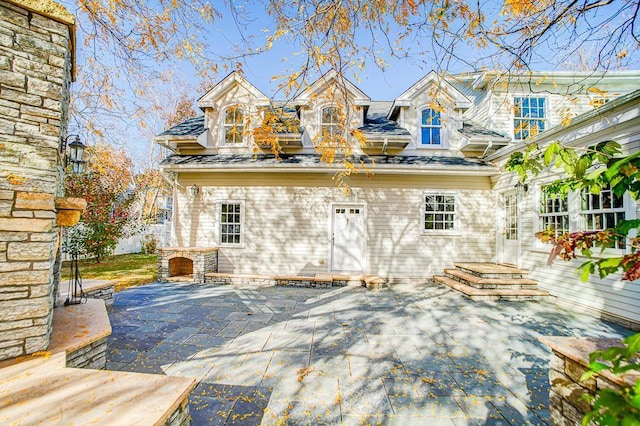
436,192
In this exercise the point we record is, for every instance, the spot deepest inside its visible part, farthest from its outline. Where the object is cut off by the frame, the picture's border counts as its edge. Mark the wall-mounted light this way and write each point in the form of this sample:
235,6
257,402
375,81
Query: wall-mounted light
521,187
195,190
74,156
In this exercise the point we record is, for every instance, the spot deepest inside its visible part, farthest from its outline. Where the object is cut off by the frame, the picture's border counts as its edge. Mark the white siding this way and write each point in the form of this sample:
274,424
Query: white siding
287,222
610,296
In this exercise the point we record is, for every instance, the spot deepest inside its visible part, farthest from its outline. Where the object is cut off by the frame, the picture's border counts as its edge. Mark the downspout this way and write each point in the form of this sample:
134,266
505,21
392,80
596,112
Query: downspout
489,145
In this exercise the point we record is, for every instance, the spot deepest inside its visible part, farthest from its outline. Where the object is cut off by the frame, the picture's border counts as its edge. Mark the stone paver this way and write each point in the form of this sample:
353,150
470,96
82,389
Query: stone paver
409,354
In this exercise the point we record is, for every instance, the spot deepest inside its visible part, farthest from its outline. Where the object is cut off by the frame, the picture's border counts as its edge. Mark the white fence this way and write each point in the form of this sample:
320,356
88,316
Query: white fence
162,233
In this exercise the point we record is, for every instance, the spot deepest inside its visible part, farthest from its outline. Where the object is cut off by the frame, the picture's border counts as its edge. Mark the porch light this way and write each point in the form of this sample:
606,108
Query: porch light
521,187
195,190
74,156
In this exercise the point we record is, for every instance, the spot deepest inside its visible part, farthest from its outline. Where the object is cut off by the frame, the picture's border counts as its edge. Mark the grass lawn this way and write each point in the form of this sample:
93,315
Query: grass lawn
127,270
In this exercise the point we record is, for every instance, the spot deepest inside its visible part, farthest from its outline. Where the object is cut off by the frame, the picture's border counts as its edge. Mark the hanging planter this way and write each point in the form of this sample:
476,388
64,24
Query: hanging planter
69,210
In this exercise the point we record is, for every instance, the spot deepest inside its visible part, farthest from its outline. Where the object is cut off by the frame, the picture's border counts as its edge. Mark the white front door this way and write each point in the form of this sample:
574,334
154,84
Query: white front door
347,238
509,245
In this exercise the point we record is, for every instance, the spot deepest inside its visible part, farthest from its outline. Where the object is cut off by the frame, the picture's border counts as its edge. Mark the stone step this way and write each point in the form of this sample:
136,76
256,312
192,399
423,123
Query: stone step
486,294
491,270
491,283
373,282
43,391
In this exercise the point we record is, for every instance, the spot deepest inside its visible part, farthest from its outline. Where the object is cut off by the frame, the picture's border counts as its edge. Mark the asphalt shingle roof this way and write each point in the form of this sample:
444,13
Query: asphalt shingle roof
471,129
310,160
193,126
377,123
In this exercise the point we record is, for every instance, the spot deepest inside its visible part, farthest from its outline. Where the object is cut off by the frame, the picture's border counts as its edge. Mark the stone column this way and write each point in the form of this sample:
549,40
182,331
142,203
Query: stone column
35,73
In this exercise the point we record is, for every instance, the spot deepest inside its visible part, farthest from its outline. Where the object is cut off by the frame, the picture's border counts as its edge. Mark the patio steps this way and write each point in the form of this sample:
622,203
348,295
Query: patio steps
489,281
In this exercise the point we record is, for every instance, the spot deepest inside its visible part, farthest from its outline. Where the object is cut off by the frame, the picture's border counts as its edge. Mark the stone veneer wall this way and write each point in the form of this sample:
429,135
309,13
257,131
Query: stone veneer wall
35,74
568,363
93,356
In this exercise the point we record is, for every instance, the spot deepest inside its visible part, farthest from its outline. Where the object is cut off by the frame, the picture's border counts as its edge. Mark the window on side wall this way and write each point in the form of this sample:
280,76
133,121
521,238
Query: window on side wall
430,127
554,213
233,125
602,211
529,116
440,213
231,223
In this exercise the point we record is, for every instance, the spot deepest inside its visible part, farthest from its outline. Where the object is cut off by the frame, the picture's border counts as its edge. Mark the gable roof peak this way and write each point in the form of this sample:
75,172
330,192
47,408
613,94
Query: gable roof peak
360,98
233,78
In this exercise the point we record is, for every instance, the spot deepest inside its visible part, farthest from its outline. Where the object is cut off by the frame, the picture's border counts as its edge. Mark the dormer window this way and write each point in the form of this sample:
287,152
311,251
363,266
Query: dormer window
330,123
431,127
233,125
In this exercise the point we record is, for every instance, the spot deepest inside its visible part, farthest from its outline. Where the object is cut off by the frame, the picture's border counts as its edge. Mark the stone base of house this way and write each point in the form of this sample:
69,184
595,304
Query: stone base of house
316,281
569,362
191,262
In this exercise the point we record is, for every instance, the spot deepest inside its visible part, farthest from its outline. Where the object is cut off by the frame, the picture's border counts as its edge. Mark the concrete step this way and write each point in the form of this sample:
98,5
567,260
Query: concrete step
486,294
491,283
491,270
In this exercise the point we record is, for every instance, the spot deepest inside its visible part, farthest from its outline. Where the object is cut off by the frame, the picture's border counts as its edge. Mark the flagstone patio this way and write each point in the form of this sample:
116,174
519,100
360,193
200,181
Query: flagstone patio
418,354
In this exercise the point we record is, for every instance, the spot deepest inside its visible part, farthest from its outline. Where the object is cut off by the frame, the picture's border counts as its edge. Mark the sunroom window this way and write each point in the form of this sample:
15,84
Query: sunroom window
233,125
602,211
529,116
554,213
430,127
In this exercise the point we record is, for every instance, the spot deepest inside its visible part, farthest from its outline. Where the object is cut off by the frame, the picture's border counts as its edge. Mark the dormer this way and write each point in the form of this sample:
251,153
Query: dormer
231,108
431,110
330,101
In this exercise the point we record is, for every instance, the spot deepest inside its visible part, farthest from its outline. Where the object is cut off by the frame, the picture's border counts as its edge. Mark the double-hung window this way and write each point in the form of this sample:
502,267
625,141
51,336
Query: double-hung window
233,125
330,123
430,127
602,211
554,213
231,223
440,212
529,116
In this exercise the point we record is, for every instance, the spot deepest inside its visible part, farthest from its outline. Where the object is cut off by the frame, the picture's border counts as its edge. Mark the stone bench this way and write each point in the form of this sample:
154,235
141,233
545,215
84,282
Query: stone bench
41,390
81,331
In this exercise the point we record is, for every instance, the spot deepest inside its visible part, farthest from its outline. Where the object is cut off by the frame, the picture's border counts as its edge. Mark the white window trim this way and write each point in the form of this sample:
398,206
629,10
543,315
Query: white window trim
456,220
245,138
243,229
513,114
444,143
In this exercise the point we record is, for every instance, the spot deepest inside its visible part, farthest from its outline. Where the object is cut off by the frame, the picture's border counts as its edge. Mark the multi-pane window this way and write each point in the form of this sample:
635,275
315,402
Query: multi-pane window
230,223
330,122
430,127
439,212
511,216
233,125
554,213
529,116
602,211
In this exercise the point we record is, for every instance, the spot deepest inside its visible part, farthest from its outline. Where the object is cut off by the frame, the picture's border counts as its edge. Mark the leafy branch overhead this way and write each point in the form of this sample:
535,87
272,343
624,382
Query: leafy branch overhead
588,171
